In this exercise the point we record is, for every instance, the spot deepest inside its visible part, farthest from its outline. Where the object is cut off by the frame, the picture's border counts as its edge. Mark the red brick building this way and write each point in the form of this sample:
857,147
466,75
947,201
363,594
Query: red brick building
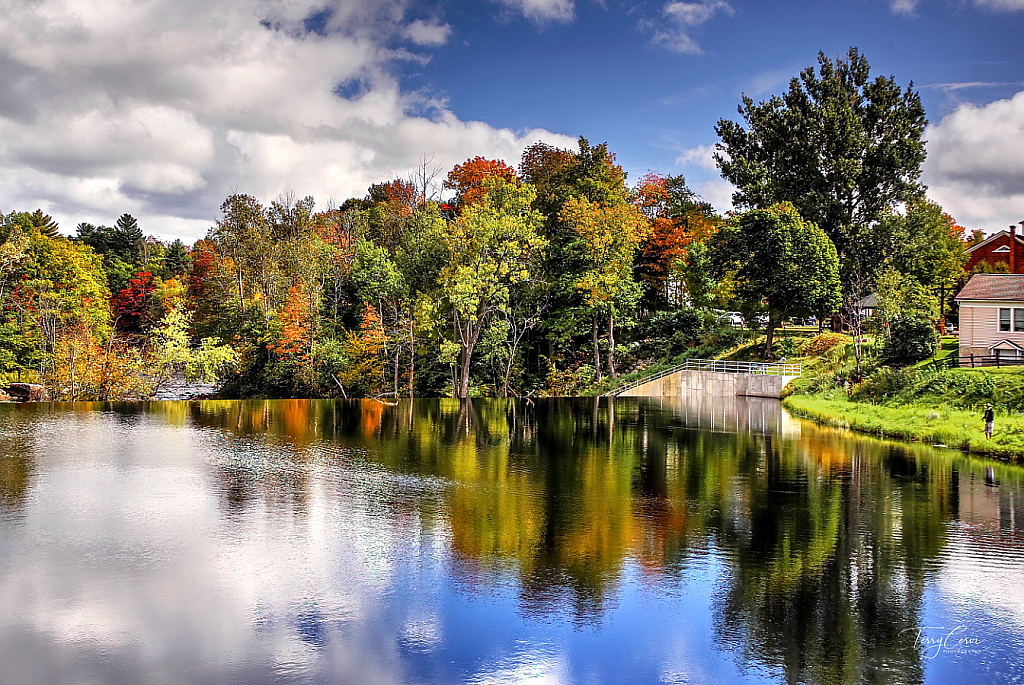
1006,247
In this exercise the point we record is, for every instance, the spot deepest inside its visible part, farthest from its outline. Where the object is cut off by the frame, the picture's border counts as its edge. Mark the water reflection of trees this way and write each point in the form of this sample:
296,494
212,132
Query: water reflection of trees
828,540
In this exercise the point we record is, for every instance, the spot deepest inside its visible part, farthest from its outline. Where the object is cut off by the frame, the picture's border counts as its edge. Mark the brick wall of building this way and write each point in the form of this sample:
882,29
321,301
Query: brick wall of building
989,253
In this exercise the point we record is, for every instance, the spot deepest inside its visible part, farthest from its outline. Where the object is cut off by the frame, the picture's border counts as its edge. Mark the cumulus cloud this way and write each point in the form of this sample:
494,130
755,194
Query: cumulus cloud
543,11
422,33
702,156
683,17
975,164
163,107
718,192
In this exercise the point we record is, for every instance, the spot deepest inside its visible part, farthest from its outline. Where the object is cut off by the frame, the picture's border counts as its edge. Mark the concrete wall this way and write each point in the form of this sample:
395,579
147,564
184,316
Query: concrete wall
712,382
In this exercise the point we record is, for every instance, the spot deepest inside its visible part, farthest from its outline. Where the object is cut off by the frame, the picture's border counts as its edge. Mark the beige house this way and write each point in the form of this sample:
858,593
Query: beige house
992,317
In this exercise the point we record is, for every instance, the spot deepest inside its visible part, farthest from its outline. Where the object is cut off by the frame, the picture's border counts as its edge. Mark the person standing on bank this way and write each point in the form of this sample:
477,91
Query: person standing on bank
990,419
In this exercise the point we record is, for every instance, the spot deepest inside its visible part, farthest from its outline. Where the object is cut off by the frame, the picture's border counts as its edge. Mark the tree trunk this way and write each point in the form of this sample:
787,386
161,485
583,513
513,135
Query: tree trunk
467,354
398,350
611,345
769,335
412,357
597,352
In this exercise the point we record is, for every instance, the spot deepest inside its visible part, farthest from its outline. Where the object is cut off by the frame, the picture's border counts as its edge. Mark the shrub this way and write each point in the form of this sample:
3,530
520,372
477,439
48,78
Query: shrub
820,344
883,382
668,333
570,382
910,340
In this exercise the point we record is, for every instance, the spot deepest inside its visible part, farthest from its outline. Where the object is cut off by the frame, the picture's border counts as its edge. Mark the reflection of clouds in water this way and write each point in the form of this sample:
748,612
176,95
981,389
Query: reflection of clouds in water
124,551
422,633
531,664
967,560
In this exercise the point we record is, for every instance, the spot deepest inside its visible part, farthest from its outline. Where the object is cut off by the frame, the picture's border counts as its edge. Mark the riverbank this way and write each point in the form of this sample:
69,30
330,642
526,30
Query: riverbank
943,425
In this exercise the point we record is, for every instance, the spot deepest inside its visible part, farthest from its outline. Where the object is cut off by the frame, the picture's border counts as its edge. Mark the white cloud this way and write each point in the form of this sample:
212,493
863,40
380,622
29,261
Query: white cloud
905,7
702,156
543,11
684,16
422,33
164,107
718,192
975,164
1004,5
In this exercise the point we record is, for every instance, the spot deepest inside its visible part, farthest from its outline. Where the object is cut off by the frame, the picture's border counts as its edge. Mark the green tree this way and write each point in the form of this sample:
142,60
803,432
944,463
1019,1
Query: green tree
129,238
44,223
177,259
780,261
844,149
608,237
173,350
491,247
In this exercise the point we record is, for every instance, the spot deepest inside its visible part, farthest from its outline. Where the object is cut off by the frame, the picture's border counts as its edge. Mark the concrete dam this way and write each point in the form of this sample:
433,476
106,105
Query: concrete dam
714,377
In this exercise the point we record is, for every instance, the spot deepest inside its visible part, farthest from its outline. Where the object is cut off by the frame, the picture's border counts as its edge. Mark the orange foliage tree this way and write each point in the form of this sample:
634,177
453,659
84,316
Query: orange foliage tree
678,218
467,179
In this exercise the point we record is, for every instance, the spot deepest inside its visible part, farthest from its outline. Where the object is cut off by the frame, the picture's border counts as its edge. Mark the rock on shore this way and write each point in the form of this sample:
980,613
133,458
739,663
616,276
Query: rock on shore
178,389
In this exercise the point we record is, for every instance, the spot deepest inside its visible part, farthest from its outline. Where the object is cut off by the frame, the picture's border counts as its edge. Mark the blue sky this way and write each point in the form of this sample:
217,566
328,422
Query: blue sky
162,108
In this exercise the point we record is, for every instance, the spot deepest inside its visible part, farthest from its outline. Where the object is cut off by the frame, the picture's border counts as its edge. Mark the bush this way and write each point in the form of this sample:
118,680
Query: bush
820,344
909,341
570,382
669,334
883,382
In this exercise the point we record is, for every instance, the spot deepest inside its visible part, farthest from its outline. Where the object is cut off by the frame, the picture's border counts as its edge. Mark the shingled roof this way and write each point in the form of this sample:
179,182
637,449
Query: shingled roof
994,287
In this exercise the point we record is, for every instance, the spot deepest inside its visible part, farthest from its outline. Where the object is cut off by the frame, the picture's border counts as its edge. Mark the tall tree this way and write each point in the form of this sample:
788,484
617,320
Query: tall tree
494,245
177,259
44,223
842,148
130,238
781,262
678,218
608,237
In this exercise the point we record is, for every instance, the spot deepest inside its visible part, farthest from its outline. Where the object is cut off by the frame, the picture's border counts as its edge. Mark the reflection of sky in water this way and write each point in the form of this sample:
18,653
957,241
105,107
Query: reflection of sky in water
149,552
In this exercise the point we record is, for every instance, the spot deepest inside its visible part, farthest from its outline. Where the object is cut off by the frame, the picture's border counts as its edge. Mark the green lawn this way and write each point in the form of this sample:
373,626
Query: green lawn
960,428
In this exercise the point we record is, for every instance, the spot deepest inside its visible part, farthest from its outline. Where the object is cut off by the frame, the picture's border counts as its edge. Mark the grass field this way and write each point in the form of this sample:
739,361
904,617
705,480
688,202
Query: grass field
943,425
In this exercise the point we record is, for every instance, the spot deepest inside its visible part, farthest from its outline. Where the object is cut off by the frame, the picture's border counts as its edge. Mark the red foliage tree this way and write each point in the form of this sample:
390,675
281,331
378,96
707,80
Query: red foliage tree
466,179
131,307
677,220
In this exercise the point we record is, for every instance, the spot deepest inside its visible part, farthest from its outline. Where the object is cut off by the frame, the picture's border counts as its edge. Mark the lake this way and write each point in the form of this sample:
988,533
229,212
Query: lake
703,540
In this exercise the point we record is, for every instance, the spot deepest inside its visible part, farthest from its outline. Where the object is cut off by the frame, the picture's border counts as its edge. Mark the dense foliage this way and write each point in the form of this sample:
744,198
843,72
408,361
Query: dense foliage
553,277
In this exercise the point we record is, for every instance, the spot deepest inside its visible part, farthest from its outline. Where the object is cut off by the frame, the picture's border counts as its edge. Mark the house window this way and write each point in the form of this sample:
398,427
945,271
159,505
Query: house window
1004,319
1018,320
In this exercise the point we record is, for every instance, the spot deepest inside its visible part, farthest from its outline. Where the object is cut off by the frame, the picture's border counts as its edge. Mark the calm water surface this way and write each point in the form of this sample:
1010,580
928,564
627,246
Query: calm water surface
433,541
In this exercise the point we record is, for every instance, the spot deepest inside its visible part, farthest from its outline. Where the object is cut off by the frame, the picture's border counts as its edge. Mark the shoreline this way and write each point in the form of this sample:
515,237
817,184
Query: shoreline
940,425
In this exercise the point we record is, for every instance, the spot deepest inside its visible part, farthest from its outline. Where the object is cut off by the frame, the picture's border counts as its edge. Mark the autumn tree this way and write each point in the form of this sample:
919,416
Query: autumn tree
608,237
592,174
131,308
492,246
677,218
467,179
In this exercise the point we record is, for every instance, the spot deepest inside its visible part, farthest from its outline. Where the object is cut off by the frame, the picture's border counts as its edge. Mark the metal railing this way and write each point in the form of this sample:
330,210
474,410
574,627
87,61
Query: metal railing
718,366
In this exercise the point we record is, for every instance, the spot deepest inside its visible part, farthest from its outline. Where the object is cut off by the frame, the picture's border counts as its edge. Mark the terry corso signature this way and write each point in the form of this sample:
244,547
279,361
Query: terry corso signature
945,641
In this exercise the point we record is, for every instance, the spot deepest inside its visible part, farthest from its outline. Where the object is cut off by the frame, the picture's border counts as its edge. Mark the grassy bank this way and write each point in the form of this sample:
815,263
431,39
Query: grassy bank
953,427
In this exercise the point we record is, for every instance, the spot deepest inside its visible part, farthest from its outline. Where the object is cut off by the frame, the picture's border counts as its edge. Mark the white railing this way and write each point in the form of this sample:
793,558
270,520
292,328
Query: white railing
718,366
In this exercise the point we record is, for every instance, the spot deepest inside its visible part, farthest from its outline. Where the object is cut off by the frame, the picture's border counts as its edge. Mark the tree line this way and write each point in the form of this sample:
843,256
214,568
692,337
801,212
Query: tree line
496,280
